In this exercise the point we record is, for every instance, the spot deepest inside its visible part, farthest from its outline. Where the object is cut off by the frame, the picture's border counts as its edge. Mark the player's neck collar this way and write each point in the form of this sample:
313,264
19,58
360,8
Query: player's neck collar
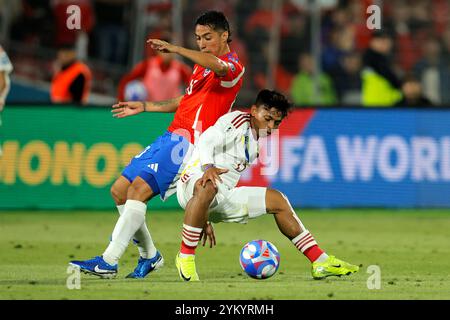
253,130
228,51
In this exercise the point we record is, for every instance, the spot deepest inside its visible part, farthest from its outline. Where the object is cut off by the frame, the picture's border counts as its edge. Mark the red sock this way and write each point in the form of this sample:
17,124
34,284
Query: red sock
313,253
191,237
307,245
186,249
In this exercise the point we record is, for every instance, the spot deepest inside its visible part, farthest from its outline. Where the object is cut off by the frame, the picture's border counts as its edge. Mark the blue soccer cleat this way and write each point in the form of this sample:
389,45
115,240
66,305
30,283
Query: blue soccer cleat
96,266
145,266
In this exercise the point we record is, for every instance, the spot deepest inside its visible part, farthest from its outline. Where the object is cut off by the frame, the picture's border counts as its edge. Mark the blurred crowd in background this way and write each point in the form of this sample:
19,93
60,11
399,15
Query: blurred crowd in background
407,62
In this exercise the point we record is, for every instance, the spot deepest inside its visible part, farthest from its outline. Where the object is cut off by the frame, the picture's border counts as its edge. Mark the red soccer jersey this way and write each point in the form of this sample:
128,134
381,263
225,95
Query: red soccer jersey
207,98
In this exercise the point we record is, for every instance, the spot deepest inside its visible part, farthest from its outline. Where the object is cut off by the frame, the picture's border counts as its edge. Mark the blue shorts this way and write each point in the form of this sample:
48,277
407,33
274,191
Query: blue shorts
160,163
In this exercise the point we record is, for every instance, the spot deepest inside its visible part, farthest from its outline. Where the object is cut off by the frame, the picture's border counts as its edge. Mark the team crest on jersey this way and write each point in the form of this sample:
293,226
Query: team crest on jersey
206,72
232,58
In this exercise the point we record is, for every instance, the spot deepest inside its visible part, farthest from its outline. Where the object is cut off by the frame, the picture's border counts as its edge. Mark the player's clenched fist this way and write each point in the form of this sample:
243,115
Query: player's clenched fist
129,108
161,45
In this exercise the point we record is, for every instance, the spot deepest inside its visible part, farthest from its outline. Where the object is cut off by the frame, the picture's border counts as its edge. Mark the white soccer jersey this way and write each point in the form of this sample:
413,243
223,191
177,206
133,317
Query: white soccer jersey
228,144
7,68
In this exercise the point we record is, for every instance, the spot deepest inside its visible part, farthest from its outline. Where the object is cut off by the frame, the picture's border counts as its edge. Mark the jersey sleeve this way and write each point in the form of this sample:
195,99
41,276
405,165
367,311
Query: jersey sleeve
234,74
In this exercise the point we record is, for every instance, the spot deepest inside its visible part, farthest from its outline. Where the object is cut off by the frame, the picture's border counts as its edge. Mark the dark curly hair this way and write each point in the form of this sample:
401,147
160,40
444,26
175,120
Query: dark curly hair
274,99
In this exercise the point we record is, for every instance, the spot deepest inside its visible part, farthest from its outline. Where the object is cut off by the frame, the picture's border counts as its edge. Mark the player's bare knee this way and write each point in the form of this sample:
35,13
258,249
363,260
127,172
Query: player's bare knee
139,190
277,202
119,196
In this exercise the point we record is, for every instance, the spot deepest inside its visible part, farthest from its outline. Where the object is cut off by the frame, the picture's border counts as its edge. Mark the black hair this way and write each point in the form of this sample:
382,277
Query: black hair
216,20
274,99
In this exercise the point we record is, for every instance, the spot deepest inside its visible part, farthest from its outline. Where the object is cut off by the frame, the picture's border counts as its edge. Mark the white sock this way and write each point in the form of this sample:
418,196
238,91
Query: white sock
132,218
143,239
120,209
145,243
304,241
322,258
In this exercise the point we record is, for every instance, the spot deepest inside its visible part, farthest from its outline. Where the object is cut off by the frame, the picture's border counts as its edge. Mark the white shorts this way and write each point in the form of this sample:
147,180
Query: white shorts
236,205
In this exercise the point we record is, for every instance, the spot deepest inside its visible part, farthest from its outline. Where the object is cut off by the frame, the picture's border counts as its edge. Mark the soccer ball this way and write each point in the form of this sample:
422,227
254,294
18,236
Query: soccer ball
135,91
259,259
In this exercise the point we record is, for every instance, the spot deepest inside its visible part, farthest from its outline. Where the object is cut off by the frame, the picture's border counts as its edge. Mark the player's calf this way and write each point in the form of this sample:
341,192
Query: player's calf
278,205
196,215
290,225
142,236
196,211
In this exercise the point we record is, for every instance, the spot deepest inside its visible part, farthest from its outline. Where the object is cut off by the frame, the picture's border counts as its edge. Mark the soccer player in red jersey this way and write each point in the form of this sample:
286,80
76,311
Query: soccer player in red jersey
216,80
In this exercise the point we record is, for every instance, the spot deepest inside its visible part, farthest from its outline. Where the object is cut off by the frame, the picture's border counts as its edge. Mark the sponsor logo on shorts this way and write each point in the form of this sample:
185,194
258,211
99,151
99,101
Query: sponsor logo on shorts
153,166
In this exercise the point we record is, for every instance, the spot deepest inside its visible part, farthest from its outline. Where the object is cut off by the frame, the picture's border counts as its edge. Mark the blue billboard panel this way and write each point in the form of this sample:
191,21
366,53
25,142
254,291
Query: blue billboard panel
360,158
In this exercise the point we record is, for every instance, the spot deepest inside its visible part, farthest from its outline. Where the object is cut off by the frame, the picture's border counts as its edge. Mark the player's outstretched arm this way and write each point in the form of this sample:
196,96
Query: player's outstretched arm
206,60
130,108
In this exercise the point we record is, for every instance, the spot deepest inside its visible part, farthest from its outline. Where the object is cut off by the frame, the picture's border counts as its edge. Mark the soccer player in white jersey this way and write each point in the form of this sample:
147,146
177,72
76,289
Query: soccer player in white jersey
5,69
207,188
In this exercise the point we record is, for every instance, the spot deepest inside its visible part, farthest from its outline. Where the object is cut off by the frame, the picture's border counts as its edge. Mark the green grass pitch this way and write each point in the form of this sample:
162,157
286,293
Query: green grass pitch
411,248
